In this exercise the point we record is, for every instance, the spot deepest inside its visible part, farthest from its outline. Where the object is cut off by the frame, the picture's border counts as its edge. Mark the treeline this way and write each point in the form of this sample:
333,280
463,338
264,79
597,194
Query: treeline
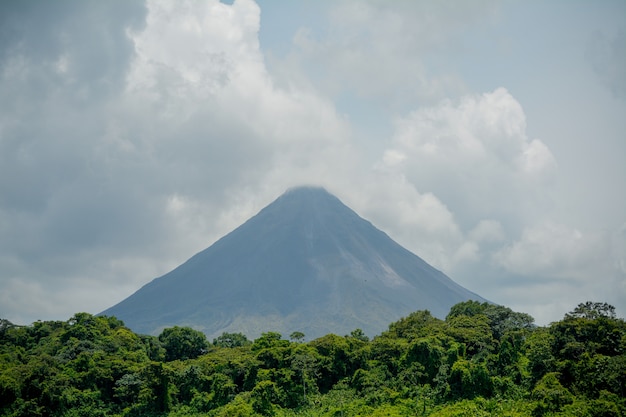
482,360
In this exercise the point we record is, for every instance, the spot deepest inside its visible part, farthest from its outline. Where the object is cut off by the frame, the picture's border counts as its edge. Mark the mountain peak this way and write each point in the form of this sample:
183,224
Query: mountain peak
306,194
304,190
306,262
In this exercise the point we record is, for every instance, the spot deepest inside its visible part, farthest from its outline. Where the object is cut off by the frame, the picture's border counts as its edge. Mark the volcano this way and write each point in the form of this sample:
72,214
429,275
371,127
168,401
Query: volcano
306,263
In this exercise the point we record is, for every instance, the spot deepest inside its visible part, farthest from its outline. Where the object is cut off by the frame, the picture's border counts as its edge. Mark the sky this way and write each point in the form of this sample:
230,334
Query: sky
488,137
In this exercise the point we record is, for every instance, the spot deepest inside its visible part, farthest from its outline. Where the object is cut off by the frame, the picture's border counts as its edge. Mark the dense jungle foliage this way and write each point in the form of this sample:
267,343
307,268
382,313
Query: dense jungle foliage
482,360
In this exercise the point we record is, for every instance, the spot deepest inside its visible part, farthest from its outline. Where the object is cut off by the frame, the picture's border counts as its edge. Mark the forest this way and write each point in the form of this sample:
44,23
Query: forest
481,360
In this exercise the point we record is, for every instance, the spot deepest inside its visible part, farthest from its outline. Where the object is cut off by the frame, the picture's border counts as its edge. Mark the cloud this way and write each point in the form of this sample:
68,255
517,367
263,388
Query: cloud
110,187
380,50
417,220
487,231
474,154
473,157
43,56
553,249
133,135
564,266
222,123
60,66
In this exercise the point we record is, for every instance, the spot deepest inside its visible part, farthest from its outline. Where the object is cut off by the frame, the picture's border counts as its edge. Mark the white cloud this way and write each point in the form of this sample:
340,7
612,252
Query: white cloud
381,50
192,141
132,136
192,50
474,154
556,250
536,159
419,221
487,231
559,266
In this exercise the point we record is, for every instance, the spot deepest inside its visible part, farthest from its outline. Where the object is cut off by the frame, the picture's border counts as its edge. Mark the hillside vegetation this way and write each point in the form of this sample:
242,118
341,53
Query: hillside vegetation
481,360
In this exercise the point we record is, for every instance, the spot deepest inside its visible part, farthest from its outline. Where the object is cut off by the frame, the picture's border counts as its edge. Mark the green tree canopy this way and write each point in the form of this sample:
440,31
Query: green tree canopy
230,340
592,310
296,336
95,366
183,343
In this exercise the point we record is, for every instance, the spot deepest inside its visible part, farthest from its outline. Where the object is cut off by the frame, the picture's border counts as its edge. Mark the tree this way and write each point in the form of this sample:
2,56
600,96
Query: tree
4,325
223,388
127,388
156,396
359,335
183,343
539,353
501,319
94,366
304,361
297,336
269,340
335,362
466,308
473,331
591,310
231,340
264,395
469,379
418,324
590,347
429,353
550,394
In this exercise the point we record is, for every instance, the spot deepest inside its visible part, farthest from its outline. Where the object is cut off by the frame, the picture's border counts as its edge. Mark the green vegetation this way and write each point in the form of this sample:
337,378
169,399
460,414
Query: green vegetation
482,360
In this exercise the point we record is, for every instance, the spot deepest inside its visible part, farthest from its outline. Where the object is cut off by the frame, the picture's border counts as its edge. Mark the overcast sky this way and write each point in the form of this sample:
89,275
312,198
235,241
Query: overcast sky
488,137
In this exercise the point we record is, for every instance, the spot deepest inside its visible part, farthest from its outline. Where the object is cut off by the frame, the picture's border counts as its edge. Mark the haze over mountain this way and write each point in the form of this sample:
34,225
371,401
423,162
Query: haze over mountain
307,263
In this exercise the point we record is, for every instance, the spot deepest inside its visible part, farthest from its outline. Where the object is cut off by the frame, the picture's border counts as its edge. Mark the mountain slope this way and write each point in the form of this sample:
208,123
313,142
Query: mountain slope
306,262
